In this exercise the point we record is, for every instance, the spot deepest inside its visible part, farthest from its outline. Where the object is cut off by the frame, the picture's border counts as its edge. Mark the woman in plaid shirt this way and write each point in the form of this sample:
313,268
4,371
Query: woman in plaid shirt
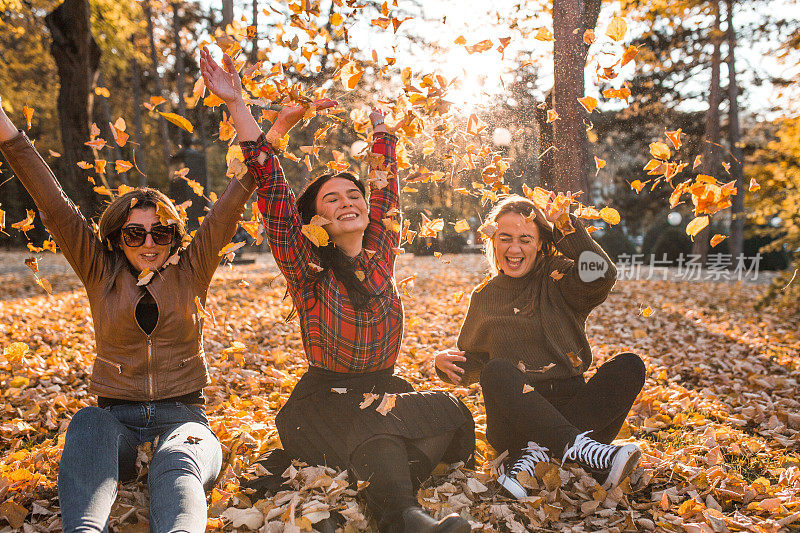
349,410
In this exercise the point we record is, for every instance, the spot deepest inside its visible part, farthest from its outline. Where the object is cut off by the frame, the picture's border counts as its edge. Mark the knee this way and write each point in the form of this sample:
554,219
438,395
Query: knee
632,367
88,424
496,374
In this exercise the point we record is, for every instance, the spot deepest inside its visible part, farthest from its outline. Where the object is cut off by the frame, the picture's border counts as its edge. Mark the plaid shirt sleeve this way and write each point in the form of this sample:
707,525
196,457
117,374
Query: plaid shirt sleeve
378,237
293,253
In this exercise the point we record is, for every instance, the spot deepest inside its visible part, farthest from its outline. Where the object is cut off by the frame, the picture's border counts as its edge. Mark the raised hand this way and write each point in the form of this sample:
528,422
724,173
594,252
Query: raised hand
223,82
291,115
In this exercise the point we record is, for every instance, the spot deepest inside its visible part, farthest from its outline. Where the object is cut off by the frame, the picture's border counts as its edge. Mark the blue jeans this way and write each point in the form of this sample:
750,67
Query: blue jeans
100,450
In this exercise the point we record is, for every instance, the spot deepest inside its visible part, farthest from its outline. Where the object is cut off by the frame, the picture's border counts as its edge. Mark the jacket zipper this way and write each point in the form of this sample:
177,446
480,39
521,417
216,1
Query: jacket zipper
149,367
150,387
106,361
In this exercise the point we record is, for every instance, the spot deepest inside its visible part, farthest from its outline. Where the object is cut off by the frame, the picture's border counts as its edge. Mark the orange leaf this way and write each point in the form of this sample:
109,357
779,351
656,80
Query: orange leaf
628,55
28,112
102,91
588,103
120,165
716,239
552,116
588,37
544,35
675,138
754,186
610,215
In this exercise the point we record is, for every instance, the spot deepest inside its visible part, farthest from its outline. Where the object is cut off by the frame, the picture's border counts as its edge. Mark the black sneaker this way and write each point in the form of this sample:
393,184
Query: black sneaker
527,459
606,462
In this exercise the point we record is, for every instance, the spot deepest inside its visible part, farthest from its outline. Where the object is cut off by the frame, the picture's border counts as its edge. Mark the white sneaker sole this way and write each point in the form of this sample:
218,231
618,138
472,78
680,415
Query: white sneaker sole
625,461
512,486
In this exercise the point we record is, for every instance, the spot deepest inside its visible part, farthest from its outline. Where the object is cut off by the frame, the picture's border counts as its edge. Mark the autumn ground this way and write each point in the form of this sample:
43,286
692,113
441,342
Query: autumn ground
718,419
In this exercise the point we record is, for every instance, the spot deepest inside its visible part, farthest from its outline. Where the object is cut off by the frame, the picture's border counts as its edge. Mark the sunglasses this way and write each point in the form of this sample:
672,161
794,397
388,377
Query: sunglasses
134,236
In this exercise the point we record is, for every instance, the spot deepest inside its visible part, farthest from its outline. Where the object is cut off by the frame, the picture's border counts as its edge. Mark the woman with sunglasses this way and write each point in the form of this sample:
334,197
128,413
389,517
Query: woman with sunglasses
145,288
349,410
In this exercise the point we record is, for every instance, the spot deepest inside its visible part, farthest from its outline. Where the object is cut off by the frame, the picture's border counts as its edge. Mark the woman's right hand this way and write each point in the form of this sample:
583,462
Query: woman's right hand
446,362
223,82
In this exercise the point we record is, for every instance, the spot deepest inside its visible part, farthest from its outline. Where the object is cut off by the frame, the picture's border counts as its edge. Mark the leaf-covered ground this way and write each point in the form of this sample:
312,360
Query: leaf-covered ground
718,418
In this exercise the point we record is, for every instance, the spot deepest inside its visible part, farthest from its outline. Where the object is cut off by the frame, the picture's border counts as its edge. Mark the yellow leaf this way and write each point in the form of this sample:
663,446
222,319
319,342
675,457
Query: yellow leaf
754,186
212,100
544,35
637,186
647,311
230,248
15,351
316,234
461,226
599,163
337,19
610,215
696,226
144,277
660,151
104,191
102,91
178,121
617,29
588,103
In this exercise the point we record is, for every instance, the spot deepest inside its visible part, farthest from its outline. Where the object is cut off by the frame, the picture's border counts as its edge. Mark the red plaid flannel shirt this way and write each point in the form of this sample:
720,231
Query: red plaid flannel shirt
336,336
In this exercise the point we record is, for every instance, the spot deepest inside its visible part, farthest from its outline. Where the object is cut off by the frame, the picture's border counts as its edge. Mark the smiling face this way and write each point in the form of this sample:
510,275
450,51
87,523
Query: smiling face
149,255
340,201
516,243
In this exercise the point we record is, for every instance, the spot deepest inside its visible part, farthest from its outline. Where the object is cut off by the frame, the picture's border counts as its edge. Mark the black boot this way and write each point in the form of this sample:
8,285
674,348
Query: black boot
416,520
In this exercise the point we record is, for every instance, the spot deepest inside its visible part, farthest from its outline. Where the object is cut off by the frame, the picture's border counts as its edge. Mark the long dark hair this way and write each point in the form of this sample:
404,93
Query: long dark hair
331,257
117,213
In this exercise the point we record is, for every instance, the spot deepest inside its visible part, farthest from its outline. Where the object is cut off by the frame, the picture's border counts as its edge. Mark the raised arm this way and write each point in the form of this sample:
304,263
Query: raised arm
382,234
293,253
588,273
62,218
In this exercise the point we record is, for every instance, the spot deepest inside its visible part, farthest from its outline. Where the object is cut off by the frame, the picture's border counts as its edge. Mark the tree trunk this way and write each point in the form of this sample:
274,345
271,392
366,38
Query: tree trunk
254,50
227,13
737,170
710,159
162,122
141,161
180,83
77,58
569,133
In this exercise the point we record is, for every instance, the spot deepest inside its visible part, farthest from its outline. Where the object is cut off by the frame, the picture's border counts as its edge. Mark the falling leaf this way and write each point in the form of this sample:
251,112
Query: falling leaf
230,248
647,311
28,112
25,224
628,55
202,311
617,28
589,103
588,37
118,132
637,186
552,116
696,162
462,226
599,163
97,144
336,19
178,121
623,94
717,238
102,91
121,166
144,277
544,35
696,226
675,138
350,75
339,390
527,388
660,151
475,125
316,234
754,186
610,215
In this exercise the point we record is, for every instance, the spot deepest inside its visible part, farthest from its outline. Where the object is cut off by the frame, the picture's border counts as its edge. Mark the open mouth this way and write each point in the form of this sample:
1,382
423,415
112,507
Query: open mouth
514,262
348,216
149,257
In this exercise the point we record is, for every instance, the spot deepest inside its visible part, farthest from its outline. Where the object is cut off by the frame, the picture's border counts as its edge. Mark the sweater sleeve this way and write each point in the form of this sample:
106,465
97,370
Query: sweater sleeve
62,218
588,274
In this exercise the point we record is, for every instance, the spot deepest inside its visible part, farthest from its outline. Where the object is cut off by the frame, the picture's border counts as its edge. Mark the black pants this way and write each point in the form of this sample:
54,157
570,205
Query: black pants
556,412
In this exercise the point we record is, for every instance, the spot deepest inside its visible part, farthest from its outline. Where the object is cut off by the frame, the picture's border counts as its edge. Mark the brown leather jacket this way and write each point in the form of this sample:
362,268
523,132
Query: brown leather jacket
131,365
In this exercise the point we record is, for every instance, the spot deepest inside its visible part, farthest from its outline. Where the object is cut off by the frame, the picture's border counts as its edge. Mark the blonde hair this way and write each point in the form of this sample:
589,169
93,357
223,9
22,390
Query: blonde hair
515,203
116,214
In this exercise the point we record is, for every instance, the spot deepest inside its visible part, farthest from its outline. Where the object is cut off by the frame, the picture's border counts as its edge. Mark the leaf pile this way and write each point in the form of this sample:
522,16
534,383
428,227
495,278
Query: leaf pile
717,420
